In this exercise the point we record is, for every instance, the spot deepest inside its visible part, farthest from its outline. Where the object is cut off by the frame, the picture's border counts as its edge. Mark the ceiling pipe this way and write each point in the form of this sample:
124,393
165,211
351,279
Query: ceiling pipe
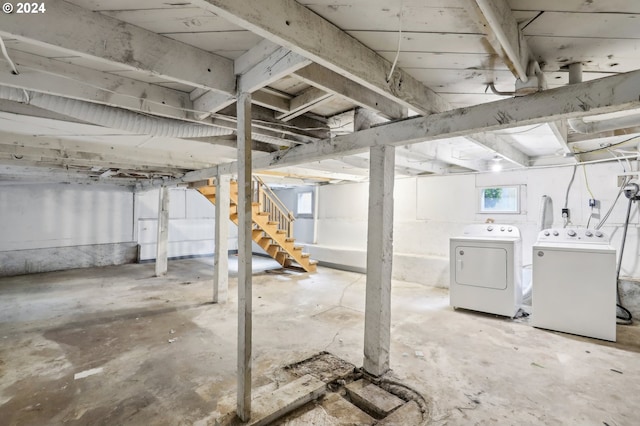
575,73
590,127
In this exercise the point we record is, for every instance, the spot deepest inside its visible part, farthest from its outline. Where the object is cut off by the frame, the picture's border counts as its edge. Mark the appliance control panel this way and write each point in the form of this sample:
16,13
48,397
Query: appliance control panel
564,235
494,230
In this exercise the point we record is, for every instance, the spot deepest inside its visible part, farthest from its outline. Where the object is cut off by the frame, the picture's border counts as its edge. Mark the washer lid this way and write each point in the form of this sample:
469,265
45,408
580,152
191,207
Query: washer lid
581,247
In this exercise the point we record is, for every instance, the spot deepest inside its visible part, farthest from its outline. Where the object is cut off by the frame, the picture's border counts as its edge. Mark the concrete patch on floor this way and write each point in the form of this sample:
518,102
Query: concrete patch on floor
320,391
372,399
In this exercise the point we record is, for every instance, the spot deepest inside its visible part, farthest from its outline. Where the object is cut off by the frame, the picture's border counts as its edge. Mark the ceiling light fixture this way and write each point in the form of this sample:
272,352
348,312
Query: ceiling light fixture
496,164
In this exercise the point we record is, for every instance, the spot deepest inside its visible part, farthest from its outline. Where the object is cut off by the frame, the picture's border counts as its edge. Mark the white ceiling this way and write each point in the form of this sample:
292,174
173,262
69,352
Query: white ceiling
442,44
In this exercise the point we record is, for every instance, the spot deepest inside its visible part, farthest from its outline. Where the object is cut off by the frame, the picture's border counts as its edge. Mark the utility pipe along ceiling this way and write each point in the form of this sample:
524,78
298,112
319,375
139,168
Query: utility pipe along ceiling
147,94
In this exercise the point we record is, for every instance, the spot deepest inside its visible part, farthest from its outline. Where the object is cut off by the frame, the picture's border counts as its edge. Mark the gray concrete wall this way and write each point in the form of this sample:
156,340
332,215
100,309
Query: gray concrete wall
48,227
32,261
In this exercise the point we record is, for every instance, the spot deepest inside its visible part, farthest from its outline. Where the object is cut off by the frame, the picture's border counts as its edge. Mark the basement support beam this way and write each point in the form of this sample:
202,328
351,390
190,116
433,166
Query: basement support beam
277,65
221,250
294,26
332,82
377,314
244,257
504,35
76,31
162,243
605,95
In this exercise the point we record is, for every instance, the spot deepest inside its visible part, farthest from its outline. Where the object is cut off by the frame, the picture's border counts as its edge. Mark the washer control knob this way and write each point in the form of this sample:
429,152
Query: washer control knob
588,234
546,233
571,233
556,233
598,234
502,228
489,228
509,229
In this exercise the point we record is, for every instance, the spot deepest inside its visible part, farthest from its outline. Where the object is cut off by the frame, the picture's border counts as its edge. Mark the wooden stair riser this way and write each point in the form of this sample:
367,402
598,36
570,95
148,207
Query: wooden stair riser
268,235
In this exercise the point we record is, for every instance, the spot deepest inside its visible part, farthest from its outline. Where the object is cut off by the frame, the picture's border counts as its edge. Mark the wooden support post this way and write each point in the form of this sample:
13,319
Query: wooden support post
377,317
244,259
221,250
162,242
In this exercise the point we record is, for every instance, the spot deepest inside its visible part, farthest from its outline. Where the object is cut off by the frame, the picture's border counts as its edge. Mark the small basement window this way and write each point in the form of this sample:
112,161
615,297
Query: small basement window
500,199
304,205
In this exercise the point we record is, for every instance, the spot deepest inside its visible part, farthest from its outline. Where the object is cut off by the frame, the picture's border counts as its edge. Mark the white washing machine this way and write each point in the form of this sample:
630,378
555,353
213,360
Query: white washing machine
486,269
574,283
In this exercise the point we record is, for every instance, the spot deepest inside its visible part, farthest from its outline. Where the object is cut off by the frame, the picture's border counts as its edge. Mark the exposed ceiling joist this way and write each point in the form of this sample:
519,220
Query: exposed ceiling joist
269,100
287,23
444,153
277,65
605,95
71,81
304,102
11,174
500,145
506,39
51,158
75,31
335,83
23,145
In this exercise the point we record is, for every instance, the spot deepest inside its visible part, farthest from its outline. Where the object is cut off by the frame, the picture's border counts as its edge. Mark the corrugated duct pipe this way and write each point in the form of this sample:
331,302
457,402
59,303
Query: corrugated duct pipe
114,118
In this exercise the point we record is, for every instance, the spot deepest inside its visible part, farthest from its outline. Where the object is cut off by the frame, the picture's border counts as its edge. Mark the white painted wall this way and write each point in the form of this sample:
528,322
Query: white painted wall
56,215
303,227
47,227
191,224
430,210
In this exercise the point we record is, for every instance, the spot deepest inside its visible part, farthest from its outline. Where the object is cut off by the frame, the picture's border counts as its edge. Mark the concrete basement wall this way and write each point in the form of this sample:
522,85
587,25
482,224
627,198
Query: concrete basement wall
48,227
430,210
191,224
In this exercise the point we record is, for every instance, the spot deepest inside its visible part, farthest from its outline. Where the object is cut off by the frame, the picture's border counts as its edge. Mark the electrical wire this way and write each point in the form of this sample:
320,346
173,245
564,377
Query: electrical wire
606,216
520,132
602,148
628,318
566,197
586,181
6,56
573,176
395,61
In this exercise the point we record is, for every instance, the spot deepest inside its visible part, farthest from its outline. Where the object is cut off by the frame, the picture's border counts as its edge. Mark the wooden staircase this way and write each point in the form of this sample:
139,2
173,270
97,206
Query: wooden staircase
272,223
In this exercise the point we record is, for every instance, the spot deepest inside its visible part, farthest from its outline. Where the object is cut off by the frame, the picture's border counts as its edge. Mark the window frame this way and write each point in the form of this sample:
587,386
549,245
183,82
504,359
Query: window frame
297,209
481,205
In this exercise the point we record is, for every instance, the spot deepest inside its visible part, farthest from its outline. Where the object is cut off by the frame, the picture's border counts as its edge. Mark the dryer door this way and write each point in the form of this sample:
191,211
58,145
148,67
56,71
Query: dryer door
481,266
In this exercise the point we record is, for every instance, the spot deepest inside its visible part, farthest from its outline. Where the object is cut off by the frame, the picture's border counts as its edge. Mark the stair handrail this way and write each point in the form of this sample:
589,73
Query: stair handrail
283,215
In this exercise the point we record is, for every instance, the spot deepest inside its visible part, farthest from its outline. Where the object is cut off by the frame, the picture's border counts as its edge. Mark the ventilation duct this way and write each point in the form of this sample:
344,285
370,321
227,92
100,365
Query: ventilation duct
114,118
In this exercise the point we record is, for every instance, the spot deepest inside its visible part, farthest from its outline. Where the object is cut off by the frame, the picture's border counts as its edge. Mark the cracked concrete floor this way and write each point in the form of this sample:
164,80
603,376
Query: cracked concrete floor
472,368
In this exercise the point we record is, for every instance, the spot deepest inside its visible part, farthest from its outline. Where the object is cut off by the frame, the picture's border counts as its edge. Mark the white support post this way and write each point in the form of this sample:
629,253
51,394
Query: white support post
377,317
244,259
221,251
163,232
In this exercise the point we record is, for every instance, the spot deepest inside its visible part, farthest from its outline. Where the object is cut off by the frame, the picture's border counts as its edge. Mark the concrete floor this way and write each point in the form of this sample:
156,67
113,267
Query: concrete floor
475,369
